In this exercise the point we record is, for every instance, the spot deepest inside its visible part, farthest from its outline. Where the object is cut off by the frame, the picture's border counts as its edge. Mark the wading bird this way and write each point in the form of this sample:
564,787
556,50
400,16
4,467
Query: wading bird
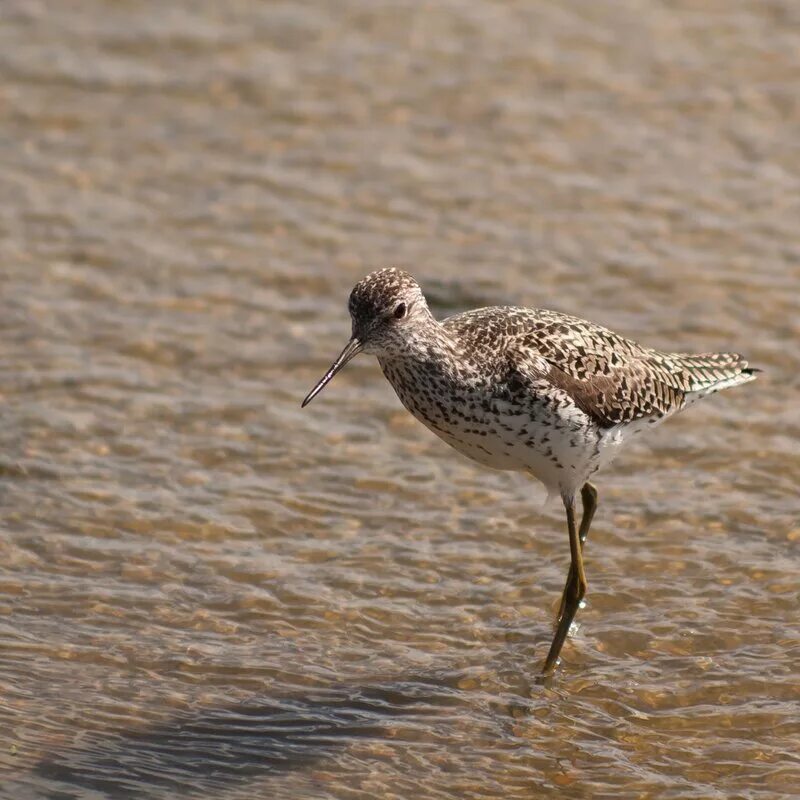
529,390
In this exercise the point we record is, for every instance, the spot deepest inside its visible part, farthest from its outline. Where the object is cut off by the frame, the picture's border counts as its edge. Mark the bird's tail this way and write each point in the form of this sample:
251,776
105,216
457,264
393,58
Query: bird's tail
704,373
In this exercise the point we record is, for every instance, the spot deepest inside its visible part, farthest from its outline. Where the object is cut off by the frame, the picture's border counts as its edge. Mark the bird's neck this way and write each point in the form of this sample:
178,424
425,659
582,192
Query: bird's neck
428,346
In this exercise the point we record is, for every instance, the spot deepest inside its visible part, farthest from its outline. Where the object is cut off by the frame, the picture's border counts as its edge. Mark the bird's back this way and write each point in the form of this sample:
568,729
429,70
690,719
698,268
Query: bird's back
611,378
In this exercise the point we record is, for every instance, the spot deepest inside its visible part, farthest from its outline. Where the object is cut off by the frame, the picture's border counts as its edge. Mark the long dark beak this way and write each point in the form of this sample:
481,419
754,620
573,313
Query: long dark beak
353,349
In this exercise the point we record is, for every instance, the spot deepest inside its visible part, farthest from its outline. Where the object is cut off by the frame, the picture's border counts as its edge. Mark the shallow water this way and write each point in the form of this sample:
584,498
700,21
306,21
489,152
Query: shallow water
205,591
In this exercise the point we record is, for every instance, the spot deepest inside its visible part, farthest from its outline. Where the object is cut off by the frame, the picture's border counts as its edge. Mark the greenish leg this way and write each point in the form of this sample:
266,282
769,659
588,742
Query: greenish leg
589,501
575,590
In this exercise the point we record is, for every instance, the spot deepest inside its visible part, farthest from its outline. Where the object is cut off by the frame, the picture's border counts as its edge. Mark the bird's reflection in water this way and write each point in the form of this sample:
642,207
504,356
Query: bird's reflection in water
209,749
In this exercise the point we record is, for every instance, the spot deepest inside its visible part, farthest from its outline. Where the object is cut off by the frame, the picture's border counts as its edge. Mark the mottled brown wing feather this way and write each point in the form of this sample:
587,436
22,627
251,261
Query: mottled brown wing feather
609,377
622,396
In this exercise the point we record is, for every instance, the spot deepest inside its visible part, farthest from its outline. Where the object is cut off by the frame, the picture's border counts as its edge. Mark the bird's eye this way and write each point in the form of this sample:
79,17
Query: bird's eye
399,311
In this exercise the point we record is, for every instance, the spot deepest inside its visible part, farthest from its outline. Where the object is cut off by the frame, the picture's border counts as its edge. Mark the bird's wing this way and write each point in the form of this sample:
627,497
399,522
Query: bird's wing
608,377
611,378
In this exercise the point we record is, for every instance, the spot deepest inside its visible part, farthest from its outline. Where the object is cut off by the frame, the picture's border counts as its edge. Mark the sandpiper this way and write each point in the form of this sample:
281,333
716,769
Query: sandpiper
527,389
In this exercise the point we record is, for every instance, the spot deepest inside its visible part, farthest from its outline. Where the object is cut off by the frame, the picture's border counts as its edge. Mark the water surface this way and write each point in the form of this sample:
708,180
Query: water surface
207,592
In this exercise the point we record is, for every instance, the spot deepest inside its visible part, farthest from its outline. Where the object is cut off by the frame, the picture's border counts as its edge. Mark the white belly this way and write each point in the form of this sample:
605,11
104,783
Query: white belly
544,434
561,450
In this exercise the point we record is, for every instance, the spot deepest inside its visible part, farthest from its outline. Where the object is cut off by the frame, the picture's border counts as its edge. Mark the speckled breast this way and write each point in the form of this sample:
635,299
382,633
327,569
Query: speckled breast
534,432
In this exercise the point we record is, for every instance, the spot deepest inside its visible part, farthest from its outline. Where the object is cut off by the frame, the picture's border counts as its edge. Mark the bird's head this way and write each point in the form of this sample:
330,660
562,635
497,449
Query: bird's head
387,309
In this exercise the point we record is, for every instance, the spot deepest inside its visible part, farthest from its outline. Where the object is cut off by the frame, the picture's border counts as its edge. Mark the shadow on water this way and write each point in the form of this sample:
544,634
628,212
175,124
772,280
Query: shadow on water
206,750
